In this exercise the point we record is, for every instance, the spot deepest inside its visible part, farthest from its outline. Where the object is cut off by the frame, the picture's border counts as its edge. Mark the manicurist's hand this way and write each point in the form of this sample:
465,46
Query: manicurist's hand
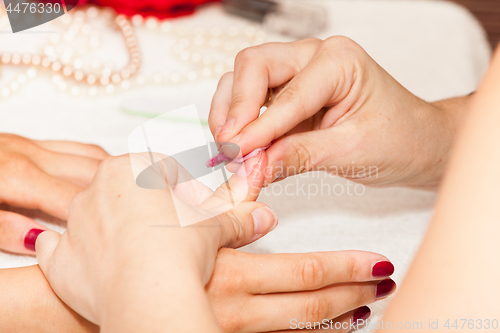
41,175
124,251
334,109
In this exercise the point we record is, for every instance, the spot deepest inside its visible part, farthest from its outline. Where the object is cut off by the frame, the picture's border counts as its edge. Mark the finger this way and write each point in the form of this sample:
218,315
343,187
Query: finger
46,244
220,104
329,150
275,273
342,324
74,148
305,95
244,185
243,221
18,233
255,70
49,194
314,306
76,169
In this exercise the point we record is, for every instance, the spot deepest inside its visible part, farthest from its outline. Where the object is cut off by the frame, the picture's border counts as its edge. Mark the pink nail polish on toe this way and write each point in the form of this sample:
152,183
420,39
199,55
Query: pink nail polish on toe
30,238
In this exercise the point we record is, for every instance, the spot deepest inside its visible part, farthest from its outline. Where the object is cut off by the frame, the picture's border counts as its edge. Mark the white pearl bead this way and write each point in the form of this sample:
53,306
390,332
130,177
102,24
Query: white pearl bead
91,79
196,57
219,68
5,91
61,85
110,89
151,23
21,78
233,31
214,42
141,80
16,59
46,62
104,80
116,78
75,91
56,79
92,12
6,58
92,91
137,20
56,66
125,84
191,76
14,85
157,78
36,60
78,76
207,72
78,63
31,73
166,26
216,31
26,59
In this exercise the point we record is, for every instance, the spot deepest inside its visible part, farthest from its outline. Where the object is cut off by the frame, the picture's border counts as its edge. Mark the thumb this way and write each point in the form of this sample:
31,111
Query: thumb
46,244
246,223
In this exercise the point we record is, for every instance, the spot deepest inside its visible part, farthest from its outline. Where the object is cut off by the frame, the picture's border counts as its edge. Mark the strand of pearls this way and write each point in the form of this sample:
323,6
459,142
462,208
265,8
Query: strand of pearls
206,52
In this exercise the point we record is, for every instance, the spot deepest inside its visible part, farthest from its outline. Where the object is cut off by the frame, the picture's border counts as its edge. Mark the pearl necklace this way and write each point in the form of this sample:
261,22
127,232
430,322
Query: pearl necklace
209,52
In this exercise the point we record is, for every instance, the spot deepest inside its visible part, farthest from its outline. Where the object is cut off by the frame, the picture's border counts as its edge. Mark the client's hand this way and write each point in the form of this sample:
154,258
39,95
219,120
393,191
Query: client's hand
335,110
126,264
274,292
41,175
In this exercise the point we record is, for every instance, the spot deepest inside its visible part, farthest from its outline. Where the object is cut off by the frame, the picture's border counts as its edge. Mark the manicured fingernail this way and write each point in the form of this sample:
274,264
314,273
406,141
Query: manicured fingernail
264,220
382,269
217,131
228,126
385,288
30,238
361,313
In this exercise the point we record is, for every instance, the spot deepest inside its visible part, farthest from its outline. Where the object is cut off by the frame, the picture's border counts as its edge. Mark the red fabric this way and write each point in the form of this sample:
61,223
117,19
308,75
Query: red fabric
158,8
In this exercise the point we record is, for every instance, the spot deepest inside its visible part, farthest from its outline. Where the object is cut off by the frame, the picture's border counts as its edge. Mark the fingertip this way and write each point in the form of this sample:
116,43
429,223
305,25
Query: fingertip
382,268
265,220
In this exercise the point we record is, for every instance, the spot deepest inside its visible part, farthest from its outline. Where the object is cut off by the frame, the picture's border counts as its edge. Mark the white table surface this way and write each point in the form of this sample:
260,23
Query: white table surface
435,49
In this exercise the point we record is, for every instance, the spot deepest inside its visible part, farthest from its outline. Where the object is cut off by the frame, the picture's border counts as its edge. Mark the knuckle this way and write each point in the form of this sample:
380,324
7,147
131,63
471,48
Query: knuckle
247,55
226,279
303,156
14,163
311,272
316,308
99,150
238,229
230,321
352,270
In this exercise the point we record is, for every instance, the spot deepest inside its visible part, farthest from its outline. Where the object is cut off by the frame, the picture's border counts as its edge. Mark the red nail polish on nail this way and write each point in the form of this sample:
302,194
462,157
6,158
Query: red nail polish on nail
382,269
385,288
30,238
361,313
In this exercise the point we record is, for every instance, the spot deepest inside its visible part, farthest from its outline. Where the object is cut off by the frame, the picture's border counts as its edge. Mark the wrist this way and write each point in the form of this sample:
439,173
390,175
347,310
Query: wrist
441,121
157,303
